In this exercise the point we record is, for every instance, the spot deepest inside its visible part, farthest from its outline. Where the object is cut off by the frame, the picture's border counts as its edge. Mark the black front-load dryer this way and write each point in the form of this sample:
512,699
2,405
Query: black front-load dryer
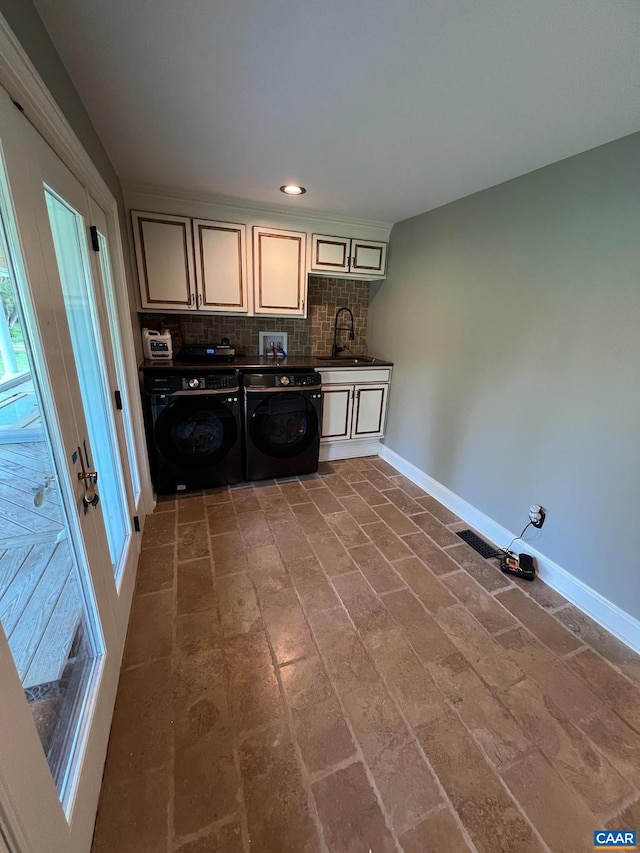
193,427
282,422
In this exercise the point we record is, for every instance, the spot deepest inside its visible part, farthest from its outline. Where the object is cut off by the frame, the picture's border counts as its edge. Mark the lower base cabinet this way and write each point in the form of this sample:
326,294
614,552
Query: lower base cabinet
354,411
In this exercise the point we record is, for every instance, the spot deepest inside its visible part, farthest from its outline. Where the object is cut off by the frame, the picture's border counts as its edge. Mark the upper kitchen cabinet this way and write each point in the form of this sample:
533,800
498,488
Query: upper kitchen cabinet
365,258
164,253
203,267
368,258
223,258
279,271
221,266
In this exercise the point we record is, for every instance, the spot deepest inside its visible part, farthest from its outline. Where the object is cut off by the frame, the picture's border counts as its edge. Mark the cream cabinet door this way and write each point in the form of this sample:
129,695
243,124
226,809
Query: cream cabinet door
336,412
368,257
370,409
279,271
330,254
344,255
221,266
164,255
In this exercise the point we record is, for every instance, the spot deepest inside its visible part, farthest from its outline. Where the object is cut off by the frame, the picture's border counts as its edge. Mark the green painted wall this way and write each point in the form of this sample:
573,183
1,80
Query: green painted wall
27,25
513,318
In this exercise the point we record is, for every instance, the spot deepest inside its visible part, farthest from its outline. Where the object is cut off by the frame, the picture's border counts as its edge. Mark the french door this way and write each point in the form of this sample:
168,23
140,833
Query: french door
69,488
66,214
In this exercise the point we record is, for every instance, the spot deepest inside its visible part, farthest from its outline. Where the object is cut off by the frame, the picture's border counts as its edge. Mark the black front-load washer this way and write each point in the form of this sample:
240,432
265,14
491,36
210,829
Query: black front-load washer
193,427
282,422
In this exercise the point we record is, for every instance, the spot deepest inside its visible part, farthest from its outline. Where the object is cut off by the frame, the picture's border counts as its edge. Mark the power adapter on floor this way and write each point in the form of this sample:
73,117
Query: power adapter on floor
519,565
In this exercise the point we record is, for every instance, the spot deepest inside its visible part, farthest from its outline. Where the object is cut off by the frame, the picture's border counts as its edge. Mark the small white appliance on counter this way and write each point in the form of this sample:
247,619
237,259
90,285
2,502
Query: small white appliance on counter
157,345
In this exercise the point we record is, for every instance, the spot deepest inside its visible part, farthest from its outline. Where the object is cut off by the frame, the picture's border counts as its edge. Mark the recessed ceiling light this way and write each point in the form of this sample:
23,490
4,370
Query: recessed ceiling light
292,189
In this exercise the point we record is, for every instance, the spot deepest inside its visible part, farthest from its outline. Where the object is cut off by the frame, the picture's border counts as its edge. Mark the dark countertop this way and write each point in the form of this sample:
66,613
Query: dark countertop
243,362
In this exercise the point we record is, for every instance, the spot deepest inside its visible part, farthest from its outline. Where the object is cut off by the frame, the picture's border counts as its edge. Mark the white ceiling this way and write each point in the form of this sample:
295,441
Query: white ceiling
381,108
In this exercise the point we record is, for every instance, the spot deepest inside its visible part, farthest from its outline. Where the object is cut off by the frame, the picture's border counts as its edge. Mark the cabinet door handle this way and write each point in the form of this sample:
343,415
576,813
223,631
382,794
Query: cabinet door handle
191,299
199,300
303,304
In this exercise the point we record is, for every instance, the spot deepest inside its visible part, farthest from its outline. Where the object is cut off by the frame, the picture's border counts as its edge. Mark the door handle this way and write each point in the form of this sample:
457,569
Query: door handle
90,480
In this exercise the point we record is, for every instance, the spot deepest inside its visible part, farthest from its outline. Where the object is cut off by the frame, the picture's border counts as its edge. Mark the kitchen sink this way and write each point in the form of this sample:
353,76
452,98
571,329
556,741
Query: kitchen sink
360,359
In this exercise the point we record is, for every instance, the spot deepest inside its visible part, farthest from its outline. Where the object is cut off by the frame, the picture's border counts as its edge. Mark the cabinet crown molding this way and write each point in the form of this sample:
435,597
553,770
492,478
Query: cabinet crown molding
238,207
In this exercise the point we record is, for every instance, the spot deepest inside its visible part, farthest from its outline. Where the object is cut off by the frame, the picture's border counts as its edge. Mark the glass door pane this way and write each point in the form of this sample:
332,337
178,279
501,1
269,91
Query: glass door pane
69,228
47,609
18,405
112,318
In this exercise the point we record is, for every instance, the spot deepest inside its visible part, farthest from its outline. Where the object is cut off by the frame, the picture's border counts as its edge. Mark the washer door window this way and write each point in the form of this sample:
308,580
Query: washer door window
283,425
196,432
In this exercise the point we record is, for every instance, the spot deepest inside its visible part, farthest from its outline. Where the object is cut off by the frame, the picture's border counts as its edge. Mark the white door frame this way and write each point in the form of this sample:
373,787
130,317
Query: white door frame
20,78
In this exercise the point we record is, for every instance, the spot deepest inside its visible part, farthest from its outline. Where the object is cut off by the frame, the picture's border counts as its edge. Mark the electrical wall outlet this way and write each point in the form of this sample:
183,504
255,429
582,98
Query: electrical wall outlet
537,515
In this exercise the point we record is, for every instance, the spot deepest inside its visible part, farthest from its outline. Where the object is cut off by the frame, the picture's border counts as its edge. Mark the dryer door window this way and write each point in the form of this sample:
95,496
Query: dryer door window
284,425
196,431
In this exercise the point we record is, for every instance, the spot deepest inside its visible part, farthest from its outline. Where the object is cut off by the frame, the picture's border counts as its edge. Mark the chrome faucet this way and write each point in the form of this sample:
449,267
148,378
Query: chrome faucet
335,349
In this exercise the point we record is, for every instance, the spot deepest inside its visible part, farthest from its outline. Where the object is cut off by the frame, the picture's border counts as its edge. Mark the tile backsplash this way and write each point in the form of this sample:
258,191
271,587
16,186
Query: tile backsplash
312,335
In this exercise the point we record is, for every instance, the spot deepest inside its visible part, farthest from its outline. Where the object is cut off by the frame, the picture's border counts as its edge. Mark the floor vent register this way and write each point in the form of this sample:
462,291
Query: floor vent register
483,548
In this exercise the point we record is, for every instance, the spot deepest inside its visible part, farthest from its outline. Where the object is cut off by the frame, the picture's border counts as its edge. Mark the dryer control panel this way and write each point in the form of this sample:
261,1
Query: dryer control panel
297,379
282,380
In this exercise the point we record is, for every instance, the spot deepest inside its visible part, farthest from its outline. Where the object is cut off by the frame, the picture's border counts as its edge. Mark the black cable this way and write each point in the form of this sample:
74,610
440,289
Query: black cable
515,538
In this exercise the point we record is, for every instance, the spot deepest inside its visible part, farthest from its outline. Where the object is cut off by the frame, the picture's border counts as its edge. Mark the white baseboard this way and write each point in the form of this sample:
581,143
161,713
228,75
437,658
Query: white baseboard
349,449
604,612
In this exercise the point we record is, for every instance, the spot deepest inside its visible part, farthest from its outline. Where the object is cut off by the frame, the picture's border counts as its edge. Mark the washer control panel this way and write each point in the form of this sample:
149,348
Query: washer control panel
164,382
211,382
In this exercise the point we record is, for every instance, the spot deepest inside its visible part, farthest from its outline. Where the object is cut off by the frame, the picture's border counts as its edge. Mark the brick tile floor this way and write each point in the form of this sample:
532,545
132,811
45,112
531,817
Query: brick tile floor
322,665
